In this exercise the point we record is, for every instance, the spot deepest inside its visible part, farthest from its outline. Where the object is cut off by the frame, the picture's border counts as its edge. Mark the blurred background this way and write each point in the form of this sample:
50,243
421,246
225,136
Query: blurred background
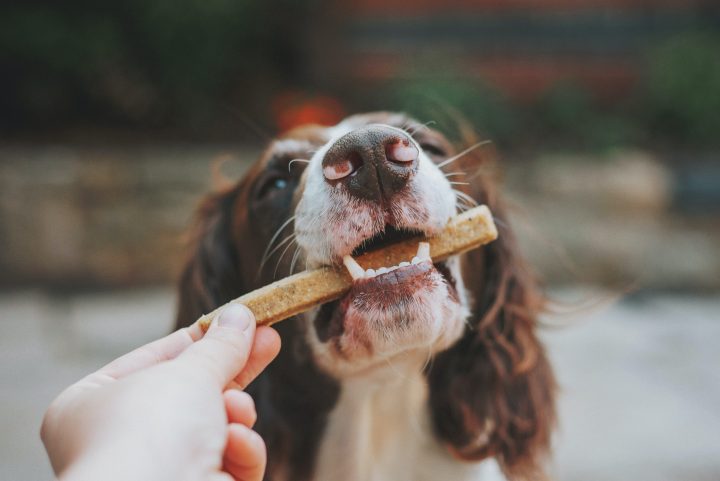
605,114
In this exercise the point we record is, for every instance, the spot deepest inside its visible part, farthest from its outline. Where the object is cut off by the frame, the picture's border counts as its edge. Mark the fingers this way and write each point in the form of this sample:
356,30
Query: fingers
148,355
245,454
265,347
240,407
224,350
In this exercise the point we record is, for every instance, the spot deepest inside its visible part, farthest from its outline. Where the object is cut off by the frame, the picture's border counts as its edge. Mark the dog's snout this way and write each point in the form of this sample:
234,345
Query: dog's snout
373,162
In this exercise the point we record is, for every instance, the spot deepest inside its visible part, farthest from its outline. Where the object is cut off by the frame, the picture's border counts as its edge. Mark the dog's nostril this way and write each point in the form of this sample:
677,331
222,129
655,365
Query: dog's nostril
343,168
338,171
401,151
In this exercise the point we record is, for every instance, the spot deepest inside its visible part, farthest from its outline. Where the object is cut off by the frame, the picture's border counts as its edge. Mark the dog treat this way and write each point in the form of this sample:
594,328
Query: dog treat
300,292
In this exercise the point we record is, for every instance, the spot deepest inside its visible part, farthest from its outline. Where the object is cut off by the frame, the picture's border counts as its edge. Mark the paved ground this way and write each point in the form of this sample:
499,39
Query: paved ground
641,385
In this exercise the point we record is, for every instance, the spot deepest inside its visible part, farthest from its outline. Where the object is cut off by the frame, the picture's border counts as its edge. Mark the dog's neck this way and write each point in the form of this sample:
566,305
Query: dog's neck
380,430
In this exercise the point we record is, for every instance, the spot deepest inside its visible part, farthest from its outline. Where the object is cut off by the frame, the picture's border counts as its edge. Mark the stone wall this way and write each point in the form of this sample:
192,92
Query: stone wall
108,216
90,216
614,220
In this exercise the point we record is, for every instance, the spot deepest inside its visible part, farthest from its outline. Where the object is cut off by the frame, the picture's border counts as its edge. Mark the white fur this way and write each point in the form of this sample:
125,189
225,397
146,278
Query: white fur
380,431
326,216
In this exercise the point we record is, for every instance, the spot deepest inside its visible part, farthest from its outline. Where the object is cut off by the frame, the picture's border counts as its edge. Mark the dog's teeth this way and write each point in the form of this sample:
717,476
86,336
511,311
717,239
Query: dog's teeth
370,273
416,260
423,251
356,272
382,270
404,264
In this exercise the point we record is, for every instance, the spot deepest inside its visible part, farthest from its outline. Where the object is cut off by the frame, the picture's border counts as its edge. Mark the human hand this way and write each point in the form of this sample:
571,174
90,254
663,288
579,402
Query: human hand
164,411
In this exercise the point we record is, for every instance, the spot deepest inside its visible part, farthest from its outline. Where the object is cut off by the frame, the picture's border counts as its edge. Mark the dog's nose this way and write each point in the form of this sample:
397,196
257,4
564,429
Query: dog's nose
373,162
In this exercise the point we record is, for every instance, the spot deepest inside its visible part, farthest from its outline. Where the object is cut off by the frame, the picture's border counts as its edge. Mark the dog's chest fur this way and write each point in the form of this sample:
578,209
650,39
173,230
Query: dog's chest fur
380,431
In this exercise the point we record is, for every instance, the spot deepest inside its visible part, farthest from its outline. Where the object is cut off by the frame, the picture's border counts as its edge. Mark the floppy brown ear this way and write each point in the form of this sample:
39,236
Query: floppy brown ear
491,394
212,274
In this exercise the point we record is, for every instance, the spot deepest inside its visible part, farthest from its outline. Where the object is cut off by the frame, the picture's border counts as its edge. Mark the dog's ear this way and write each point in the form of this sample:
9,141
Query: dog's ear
491,394
212,274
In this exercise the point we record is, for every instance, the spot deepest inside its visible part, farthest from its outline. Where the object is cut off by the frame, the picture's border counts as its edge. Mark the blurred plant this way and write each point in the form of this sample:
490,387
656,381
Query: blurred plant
137,61
683,88
567,114
441,99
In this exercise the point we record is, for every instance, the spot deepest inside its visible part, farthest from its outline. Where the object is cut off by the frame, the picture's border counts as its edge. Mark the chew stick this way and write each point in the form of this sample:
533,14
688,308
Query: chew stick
300,292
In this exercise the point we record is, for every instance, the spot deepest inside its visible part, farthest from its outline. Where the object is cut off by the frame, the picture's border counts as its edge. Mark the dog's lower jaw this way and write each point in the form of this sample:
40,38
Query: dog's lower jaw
380,430
375,334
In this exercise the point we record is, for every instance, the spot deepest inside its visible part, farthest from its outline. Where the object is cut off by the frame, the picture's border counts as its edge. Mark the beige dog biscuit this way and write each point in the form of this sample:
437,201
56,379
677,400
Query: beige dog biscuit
300,292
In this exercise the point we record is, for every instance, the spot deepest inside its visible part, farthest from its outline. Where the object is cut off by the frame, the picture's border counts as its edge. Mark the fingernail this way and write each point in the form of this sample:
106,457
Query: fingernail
236,316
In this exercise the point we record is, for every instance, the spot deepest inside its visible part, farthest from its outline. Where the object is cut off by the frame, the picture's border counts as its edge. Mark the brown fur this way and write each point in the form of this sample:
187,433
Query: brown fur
496,381
494,385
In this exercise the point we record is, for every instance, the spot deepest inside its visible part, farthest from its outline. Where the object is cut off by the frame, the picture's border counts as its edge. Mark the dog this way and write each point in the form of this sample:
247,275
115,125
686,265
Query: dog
423,371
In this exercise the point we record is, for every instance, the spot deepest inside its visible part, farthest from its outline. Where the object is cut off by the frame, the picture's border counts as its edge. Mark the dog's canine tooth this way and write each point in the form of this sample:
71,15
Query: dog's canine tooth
416,260
423,251
356,272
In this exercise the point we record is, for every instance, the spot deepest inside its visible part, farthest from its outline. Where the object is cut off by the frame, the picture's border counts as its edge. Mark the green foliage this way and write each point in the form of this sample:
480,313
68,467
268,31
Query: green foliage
178,62
132,60
566,109
445,100
683,88
567,112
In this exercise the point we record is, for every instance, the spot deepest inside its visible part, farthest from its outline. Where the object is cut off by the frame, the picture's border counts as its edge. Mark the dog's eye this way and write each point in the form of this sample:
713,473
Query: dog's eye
433,149
272,183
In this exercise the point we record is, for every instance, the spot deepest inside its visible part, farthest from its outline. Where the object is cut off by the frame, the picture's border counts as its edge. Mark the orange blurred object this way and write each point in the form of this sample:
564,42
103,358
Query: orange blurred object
292,109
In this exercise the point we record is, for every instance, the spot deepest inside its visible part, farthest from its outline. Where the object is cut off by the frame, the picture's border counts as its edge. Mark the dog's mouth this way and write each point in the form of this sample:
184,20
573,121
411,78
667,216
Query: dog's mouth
389,235
386,296
390,276
402,276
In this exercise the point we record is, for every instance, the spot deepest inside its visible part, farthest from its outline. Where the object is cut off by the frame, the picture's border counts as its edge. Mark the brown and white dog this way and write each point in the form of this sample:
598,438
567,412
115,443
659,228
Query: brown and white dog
423,371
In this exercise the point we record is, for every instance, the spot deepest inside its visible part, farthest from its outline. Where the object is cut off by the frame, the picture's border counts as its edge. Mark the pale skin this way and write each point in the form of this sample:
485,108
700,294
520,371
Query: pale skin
170,410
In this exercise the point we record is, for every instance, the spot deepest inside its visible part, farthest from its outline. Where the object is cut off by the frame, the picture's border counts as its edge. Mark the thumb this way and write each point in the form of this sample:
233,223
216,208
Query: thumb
224,350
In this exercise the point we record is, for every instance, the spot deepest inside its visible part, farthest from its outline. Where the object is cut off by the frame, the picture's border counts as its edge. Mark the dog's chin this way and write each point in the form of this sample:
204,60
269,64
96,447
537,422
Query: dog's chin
411,312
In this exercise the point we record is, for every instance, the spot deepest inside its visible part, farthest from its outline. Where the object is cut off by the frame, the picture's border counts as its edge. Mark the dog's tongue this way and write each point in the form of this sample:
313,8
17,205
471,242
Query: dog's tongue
357,272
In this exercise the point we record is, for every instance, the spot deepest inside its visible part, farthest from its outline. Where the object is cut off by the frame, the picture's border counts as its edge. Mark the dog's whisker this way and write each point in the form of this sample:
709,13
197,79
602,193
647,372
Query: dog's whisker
466,197
297,160
459,183
463,203
418,127
450,174
277,266
276,234
464,152
274,250
461,207
295,257
501,223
